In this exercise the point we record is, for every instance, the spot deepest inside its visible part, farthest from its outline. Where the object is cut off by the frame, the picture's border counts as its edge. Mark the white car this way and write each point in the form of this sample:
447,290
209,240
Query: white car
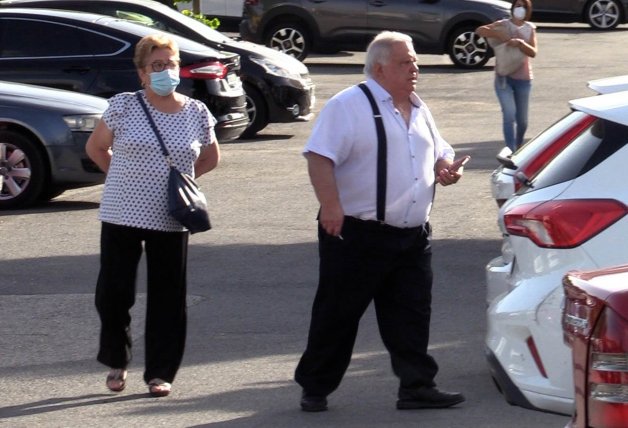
572,215
522,165
518,168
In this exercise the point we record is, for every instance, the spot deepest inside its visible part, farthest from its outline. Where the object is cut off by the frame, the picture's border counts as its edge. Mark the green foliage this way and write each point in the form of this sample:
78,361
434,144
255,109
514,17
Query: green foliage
213,23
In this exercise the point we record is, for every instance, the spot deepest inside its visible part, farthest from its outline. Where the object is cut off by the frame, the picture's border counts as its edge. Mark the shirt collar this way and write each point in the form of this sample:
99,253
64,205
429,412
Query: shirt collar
379,93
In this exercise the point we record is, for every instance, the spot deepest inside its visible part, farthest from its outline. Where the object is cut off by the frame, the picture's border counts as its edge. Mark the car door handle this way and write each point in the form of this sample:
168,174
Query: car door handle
377,3
80,69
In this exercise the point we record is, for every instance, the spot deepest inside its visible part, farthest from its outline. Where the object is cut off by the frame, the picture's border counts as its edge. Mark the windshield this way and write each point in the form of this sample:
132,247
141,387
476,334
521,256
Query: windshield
192,23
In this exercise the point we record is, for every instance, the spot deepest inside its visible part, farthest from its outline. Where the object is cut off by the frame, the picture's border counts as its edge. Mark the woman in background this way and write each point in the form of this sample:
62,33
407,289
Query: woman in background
513,90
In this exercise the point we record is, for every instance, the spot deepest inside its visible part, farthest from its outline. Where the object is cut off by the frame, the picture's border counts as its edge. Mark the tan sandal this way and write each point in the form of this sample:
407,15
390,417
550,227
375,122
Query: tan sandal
116,380
159,388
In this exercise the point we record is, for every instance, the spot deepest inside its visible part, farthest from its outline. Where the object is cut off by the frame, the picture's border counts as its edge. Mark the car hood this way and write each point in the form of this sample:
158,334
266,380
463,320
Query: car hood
30,95
279,58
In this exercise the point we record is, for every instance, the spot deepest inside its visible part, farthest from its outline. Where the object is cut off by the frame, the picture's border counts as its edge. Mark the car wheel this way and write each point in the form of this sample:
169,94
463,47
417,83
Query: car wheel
257,111
603,14
22,170
468,50
290,38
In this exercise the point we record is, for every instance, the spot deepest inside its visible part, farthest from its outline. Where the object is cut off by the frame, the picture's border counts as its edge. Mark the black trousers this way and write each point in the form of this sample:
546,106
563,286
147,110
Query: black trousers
166,318
379,263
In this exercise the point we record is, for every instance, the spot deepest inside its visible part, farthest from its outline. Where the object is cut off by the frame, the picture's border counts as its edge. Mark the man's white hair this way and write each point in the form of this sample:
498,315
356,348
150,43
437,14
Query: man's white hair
378,51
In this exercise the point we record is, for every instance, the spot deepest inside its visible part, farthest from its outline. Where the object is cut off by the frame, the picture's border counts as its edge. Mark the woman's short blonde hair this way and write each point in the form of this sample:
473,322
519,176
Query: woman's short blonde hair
148,44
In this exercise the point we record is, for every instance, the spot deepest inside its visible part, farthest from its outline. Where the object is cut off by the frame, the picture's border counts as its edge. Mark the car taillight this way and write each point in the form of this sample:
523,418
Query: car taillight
553,149
608,372
563,223
204,70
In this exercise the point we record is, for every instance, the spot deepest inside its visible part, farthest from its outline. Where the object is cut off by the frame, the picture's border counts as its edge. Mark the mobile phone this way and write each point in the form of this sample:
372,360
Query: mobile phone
457,164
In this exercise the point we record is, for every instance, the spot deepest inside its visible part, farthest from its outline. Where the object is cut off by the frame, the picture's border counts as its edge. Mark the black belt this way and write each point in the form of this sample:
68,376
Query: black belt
378,226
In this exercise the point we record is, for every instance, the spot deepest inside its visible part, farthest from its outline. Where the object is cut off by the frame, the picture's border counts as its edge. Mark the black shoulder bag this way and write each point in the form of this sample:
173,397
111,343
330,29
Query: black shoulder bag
186,202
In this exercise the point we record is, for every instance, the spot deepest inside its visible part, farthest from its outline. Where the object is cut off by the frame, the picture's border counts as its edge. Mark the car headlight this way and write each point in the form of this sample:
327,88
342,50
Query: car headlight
276,69
82,122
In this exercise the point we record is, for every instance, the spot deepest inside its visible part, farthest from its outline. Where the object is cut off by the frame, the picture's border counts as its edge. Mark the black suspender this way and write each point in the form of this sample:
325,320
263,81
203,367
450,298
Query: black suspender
381,155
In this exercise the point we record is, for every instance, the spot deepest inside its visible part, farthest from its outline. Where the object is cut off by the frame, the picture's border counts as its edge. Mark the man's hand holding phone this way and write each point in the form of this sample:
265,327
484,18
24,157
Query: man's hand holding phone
452,172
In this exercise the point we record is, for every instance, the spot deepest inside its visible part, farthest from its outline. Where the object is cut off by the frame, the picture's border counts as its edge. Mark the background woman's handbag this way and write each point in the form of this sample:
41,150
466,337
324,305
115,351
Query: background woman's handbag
186,202
508,59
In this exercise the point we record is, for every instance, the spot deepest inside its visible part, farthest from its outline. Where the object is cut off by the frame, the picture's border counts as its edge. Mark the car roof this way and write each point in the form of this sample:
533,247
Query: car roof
111,22
613,107
608,85
12,94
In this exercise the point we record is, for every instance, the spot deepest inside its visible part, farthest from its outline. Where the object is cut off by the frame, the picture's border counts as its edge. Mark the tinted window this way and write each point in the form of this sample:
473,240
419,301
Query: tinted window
584,153
532,148
130,15
68,41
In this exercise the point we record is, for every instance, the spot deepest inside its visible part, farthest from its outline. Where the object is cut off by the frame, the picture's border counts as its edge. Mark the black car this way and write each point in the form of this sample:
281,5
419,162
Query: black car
278,87
43,132
93,54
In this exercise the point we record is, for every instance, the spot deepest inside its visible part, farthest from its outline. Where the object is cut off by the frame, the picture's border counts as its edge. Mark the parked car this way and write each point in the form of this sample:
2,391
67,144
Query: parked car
517,168
599,14
278,87
437,27
595,322
93,54
43,132
572,215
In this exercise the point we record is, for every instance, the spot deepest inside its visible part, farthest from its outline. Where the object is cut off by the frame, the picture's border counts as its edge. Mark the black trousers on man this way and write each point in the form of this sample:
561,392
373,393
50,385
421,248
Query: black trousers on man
166,317
379,263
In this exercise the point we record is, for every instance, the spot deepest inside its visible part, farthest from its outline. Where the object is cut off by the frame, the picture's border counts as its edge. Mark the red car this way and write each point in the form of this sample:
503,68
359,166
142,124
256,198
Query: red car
595,325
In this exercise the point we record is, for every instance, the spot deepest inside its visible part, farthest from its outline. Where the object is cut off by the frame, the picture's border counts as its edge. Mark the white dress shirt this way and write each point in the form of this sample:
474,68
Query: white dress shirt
345,133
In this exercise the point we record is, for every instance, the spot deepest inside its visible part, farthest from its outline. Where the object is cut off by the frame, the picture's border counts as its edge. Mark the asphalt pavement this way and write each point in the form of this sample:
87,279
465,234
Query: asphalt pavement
253,277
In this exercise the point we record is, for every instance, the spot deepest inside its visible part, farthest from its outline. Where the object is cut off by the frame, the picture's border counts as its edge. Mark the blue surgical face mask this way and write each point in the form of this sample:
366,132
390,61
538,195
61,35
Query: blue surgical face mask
164,82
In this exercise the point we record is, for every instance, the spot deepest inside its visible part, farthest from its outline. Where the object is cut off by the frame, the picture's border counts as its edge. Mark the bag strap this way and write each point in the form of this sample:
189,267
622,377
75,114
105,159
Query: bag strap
381,154
164,150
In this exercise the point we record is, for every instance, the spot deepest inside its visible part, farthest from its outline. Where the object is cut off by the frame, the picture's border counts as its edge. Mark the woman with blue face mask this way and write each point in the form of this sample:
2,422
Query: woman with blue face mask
135,218
513,87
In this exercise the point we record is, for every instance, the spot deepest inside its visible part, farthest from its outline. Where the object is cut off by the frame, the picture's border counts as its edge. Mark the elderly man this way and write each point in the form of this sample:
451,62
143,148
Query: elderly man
373,163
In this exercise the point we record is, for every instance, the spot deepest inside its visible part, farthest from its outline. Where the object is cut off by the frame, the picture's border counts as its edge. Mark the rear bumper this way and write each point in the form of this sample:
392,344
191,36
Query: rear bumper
229,129
526,399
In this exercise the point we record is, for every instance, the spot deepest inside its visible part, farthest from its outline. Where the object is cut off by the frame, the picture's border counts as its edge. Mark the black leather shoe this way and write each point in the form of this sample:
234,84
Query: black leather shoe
427,398
313,403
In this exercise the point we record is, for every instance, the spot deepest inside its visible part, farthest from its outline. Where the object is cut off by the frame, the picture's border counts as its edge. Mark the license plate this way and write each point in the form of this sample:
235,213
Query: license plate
233,79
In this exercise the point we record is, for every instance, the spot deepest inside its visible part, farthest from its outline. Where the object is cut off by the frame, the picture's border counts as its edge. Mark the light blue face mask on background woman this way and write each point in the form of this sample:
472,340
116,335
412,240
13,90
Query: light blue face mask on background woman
164,82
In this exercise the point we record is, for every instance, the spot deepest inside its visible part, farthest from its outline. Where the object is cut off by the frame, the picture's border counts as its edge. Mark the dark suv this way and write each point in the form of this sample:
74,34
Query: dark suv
436,26
93,54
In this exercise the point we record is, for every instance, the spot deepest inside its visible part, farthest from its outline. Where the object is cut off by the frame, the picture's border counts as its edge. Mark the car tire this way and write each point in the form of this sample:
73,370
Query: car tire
603,14
22,169
468,50
257,110
290,38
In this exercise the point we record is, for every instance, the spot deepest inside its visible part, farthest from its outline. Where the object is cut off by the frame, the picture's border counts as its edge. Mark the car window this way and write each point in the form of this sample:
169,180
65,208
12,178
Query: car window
587,151
532,148
135,16
69,40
